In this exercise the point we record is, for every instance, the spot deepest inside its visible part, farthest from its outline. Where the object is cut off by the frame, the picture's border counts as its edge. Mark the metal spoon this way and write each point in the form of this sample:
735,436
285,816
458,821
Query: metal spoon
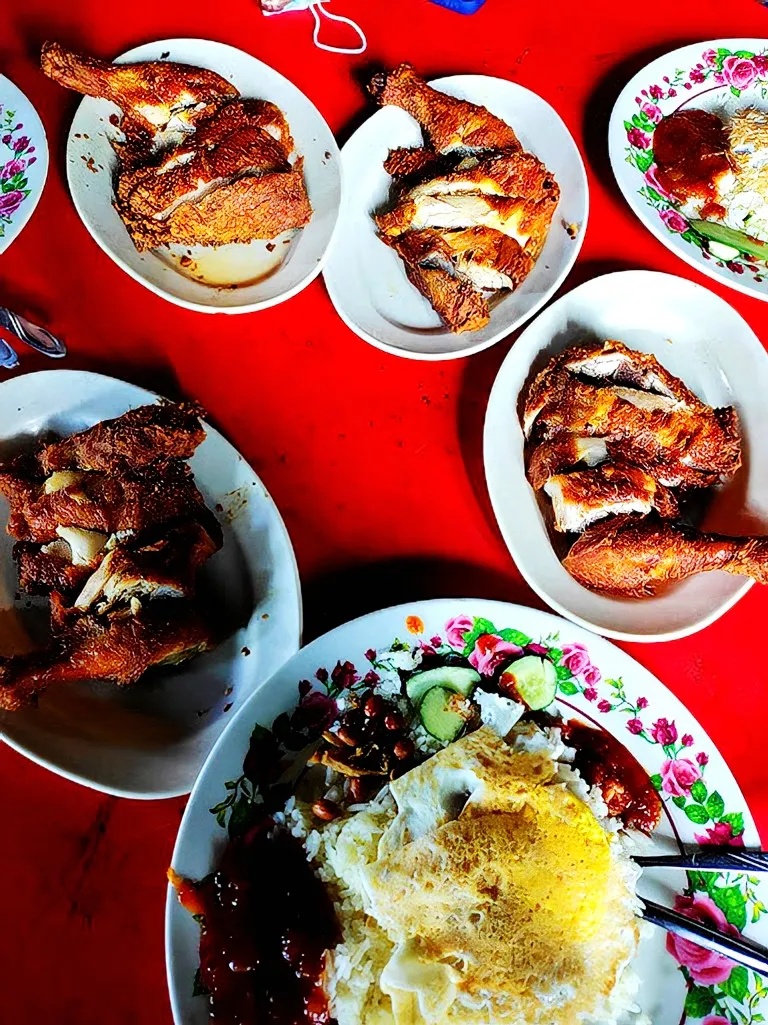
35,337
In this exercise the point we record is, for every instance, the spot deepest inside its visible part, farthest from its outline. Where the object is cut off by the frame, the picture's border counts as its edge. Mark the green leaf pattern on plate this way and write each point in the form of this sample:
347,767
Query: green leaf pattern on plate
17,154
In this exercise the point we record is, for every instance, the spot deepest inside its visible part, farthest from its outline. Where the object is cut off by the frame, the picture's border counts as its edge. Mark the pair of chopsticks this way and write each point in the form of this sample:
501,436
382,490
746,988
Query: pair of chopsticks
709,859
36,337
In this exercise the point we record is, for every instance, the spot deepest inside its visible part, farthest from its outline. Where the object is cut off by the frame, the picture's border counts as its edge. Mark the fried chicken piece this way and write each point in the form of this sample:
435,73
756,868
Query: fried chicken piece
242,139
586,496
565,452
455,300
449,123
165,568
142,436
415,162
486,258
253,206
119,648
633,558
152,95
109,504
41,572
654,430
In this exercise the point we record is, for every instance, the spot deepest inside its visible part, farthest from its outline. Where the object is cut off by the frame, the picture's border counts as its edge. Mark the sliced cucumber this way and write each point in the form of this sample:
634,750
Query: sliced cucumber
726,236
440,713
460,679
532,680
722,252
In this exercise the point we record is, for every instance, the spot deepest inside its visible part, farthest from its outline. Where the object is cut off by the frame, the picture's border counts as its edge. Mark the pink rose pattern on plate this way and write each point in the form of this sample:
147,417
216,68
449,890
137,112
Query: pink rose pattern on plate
734,71
17,154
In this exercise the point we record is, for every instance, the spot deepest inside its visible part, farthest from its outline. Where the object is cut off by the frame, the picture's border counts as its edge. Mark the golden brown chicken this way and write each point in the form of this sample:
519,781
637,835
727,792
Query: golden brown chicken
471,210
118,647
114,530
633,558
151,94
581,498
449,123
148,434
198,167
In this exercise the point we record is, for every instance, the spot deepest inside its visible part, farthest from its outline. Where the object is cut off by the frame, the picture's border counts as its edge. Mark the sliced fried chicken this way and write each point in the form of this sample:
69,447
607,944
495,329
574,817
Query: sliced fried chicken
562,453
152,94
612,362
145,435
486,258
449,123
586,496
455,300
417,162
250,207
633,558
119,648
41,571
108,504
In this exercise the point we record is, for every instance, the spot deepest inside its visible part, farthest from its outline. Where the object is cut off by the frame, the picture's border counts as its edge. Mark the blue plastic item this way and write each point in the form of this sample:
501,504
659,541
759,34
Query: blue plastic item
461,6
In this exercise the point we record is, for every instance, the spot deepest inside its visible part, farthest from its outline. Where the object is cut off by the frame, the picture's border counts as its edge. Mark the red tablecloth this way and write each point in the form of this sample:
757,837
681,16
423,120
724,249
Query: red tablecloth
374,461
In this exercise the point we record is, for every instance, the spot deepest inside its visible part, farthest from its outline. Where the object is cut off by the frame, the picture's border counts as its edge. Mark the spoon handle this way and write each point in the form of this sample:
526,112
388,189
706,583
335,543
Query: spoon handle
35,337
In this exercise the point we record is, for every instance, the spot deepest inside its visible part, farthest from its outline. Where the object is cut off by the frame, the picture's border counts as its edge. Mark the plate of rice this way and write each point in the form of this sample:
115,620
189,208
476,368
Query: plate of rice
429,815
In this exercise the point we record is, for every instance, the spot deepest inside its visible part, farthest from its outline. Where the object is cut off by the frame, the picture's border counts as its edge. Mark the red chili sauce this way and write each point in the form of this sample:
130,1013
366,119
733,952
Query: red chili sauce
691,152
267,922
626,787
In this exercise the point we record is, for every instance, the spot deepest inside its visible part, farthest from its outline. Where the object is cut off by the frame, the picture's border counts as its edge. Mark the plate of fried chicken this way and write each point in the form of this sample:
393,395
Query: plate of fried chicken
147,582
624,456
465,210
203,173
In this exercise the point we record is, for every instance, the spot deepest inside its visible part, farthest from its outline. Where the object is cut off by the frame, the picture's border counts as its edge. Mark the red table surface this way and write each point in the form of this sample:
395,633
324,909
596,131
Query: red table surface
374,461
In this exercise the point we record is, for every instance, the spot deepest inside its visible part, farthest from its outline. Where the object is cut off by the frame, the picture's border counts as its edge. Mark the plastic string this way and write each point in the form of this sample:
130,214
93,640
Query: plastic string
317,9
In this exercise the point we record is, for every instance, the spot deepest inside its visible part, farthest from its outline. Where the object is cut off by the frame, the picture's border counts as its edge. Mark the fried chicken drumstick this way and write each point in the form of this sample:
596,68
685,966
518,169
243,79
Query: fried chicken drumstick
633,558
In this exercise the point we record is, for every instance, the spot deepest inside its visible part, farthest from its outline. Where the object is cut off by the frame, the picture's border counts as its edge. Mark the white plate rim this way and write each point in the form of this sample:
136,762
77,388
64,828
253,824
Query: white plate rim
616,142
496,396
303,660
143,52
469,350
295,643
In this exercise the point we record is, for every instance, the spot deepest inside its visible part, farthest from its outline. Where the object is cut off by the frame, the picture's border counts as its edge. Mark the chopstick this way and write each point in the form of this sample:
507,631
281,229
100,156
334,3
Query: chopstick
737,948
709,859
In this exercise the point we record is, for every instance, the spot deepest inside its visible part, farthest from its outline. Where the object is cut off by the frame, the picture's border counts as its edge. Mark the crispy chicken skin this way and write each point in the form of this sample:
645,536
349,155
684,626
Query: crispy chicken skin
119,647
252,206
453,298
150,94
104,503
418,162
586,496
632,557
449,123
43,572
145,435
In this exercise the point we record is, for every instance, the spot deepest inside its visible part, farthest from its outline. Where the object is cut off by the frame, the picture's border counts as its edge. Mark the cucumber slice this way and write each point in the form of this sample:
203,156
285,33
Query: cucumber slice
726,236
460,679
722,252
532,680
440,715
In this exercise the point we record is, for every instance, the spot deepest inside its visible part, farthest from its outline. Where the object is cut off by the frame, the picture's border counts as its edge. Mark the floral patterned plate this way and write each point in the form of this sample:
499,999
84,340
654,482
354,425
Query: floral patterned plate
23,161
721,76
596,682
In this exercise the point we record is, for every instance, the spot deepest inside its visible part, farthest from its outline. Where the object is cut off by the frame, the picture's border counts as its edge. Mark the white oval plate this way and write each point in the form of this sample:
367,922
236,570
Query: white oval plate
365,278
626,693
702,340
700,75
150,740
91,166
23,161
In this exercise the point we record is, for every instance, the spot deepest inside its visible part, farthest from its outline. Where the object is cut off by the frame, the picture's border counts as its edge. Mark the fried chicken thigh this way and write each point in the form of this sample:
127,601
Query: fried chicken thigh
119,647
633,558
151,94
